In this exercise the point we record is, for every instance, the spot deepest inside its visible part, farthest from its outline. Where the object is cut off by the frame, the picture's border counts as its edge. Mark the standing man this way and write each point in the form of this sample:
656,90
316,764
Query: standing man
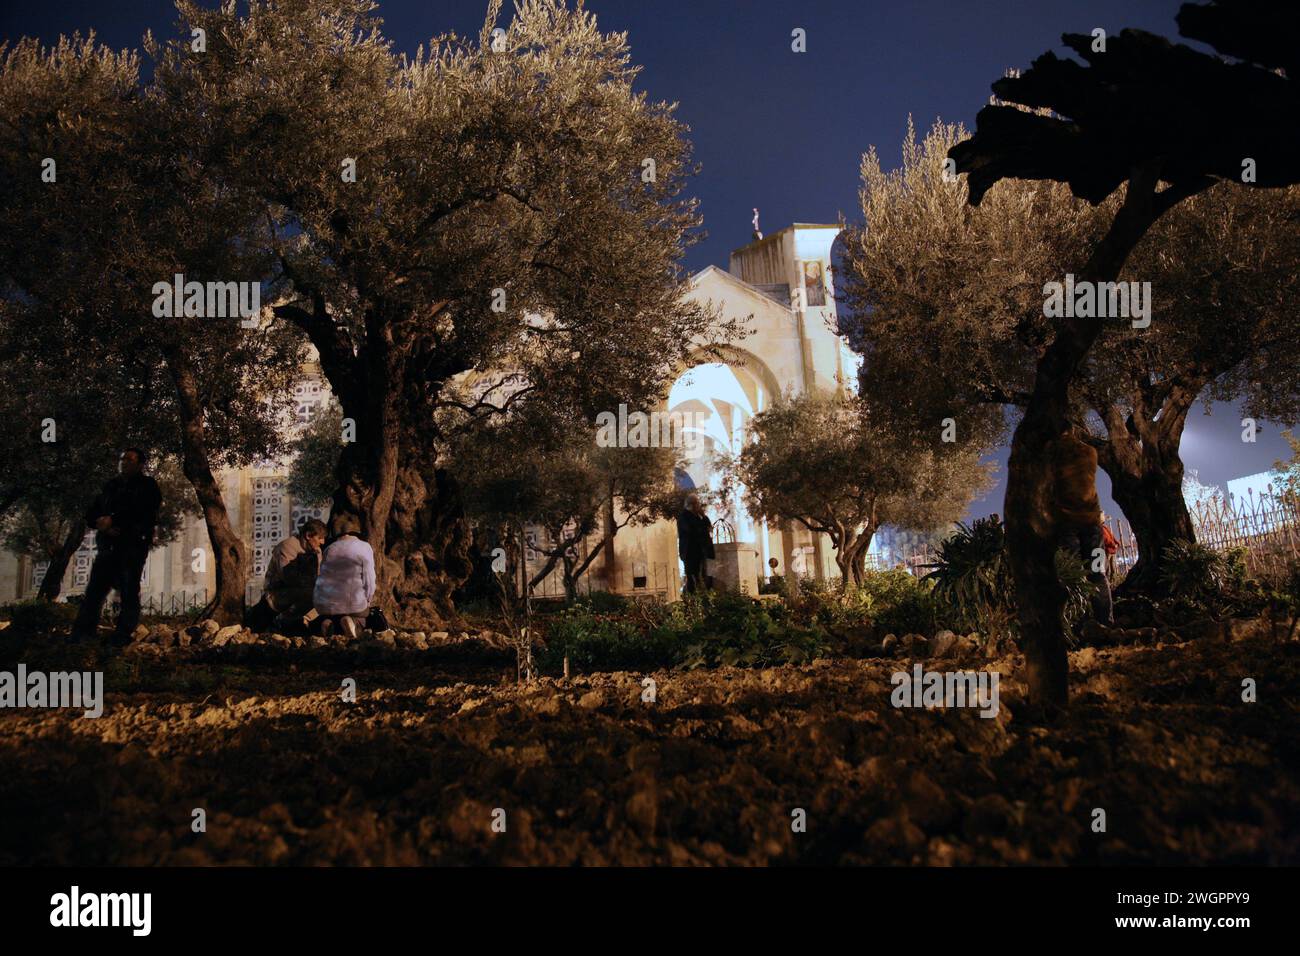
123,516
694,542
1111,544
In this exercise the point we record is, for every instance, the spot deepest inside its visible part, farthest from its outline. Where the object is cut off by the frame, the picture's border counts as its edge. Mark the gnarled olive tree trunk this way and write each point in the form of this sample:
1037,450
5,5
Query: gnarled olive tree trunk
231,558
1146,474
1030,509
410,510
851,556
52,583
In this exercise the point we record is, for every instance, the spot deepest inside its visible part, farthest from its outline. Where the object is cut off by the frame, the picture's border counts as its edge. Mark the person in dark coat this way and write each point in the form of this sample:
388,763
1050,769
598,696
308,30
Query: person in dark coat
694,542
290,581
123,515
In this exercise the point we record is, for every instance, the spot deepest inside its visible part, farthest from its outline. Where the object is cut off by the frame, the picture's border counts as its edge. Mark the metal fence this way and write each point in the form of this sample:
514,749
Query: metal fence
913,560
163,605
1267,527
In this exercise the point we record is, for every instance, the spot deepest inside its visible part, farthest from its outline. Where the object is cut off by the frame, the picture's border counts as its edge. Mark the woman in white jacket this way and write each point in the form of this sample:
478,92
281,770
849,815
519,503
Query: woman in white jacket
346,583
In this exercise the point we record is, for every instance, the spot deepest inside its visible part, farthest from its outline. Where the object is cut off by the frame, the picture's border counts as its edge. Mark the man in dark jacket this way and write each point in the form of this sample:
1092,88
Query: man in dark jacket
123,515
290,580
694,542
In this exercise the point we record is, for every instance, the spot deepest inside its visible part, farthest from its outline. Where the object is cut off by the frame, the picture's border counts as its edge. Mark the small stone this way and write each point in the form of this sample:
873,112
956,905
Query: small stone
643,811
494,639
225,635
547,706
895,833
927,804
943,644
591,700
990,814
1243,629
140,633
209,626
412,640
965,647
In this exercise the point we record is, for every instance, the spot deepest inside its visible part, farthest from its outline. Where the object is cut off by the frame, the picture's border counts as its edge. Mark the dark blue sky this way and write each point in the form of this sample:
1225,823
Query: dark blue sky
779,130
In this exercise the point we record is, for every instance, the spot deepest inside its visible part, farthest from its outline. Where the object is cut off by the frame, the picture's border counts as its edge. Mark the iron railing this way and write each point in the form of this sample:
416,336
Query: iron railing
163,605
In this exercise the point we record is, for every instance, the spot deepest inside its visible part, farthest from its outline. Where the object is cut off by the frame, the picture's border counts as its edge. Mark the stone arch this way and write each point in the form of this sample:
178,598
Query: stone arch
737,357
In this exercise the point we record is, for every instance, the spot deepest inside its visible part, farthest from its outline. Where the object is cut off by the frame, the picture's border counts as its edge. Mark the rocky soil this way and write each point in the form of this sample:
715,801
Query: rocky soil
441,743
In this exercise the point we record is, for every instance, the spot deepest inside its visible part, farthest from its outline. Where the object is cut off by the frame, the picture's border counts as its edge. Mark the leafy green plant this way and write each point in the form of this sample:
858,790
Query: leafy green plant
901,602
1079,591
699,631
593,642
972,578
39,616
1203,582
1193,571
1285,599
892,600
606,602
734,629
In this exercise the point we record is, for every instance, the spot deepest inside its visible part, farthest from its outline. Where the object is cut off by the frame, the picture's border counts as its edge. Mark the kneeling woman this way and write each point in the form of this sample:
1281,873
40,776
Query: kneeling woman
346,583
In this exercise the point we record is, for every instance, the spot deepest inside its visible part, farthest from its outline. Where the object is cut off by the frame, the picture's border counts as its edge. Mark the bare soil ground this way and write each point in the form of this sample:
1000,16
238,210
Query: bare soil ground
586,772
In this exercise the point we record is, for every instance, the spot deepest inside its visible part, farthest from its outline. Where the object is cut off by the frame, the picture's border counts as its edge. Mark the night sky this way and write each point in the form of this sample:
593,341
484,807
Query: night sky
779,130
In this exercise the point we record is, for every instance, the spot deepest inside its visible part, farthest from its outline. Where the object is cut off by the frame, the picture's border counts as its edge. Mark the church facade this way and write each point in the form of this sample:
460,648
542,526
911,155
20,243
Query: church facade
779,283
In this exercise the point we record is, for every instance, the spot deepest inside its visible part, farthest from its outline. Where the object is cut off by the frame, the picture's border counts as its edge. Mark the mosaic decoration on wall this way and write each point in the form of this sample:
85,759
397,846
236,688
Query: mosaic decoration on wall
308,395
81,562
268,521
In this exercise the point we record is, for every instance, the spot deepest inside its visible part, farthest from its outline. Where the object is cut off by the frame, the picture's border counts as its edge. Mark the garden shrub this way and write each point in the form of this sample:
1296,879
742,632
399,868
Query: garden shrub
605,602
1201,582
972,577
902,603
975,588
884,601
38,616
593,641
735,629
706,630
